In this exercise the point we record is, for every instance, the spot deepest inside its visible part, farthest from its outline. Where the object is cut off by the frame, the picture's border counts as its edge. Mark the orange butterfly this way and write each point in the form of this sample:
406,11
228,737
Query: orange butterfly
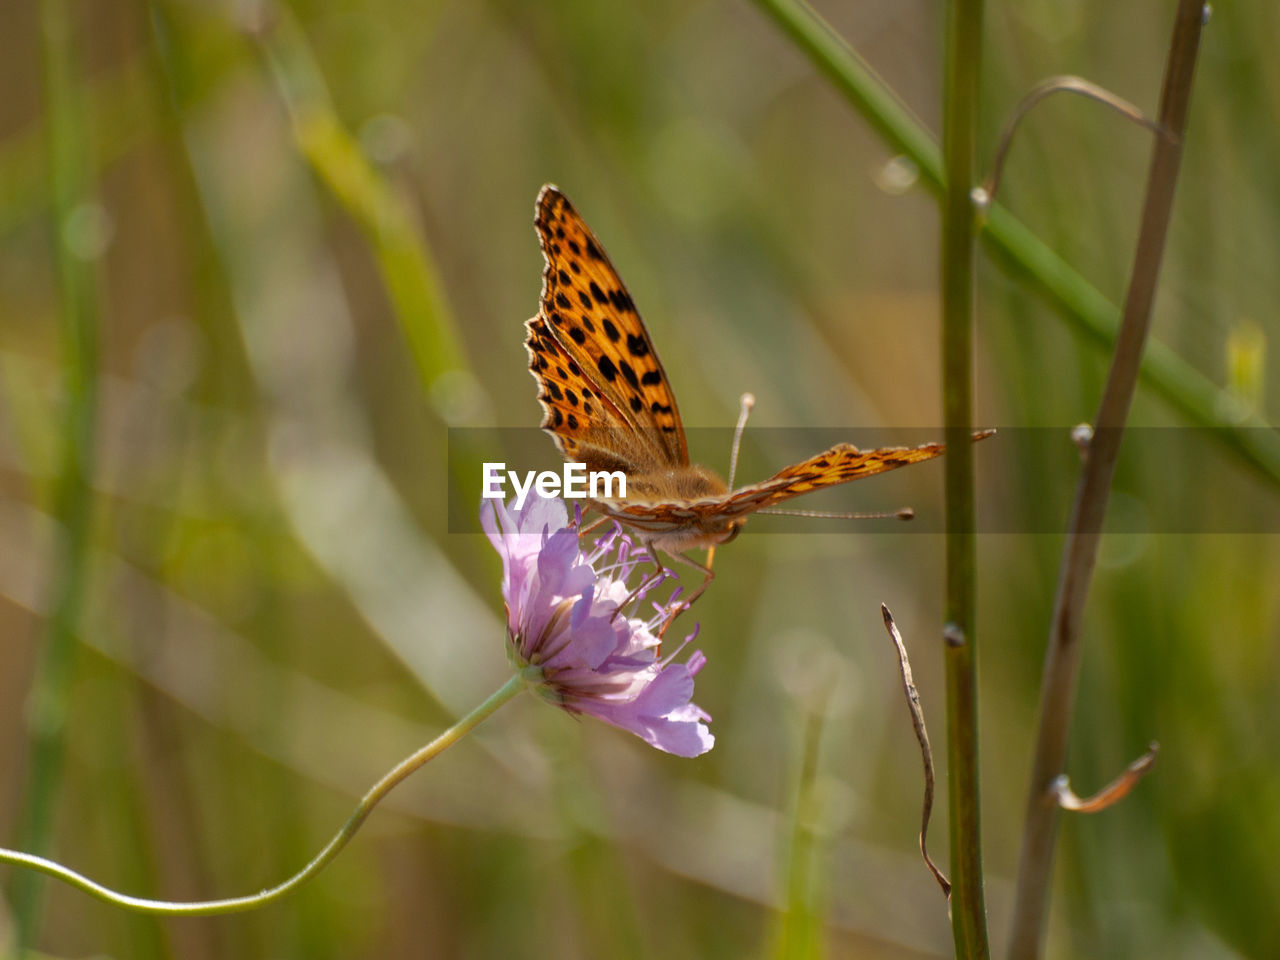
607,403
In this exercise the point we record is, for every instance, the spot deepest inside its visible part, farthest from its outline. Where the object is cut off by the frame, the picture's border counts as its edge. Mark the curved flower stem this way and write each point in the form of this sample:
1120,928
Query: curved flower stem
237,904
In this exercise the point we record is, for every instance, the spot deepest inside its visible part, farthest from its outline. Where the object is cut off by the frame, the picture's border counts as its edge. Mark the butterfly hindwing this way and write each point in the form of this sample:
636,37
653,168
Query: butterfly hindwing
586,310
840,464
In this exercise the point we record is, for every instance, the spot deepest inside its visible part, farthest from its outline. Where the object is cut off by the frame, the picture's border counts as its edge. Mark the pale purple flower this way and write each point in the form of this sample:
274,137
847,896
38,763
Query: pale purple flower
564,628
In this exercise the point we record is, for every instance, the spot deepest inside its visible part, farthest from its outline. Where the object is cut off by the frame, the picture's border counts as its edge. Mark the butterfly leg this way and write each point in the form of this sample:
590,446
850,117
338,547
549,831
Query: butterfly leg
593,526
708,576
649,580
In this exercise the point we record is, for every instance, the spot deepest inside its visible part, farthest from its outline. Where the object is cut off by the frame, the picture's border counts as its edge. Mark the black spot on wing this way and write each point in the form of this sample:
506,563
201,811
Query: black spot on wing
630,375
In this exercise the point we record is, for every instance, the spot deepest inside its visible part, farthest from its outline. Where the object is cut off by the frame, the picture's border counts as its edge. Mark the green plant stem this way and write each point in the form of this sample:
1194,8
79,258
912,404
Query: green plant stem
959,240
371,799
860,84
70,183
1194,396
1062,659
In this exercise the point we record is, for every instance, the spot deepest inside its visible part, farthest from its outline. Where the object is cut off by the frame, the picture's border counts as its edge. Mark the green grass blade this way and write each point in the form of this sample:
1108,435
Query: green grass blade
70,181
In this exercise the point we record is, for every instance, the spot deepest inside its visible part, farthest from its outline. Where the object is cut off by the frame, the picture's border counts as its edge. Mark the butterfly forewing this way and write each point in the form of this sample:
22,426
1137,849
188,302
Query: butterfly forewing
587,313
584,422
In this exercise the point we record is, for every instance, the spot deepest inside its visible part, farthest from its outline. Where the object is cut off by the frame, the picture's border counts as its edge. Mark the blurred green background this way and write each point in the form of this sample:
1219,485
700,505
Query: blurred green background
302,238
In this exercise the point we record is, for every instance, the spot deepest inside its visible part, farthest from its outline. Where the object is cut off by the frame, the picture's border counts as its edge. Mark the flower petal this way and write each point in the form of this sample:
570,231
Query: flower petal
567,618
662,715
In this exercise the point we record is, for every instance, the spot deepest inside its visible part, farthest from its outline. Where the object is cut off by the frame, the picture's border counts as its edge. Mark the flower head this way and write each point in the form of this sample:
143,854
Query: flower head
566,625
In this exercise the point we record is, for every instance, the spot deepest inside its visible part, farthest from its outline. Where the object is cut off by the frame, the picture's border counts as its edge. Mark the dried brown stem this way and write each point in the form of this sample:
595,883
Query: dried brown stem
1062,659
926,751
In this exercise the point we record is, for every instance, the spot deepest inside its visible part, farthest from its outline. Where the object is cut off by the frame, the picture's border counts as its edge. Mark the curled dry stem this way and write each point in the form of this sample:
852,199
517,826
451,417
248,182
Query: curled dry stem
1060,84
926,752
1112,793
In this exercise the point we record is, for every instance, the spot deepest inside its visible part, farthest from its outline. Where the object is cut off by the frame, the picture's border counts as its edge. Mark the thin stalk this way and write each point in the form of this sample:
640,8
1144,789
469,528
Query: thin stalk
371,799
959,241
70,183
1018,249
1062,659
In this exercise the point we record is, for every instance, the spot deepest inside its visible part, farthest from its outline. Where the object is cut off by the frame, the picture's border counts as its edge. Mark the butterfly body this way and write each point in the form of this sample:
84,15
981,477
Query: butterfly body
688,482
675,509
607,403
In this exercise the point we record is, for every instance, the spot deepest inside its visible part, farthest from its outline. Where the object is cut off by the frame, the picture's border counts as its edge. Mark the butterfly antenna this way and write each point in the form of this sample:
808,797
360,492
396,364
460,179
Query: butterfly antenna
746,403
906,513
